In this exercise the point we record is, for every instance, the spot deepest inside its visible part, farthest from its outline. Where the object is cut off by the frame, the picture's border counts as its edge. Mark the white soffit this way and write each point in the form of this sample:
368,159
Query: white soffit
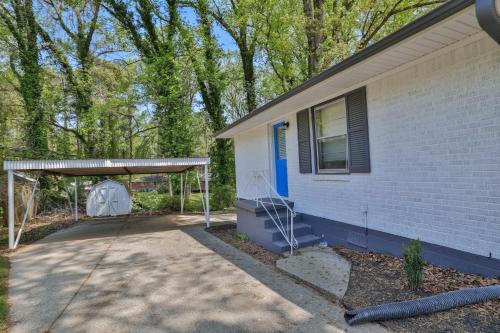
452,30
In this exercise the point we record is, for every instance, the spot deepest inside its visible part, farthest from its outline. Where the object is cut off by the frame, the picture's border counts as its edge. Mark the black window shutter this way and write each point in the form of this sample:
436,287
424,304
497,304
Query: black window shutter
304,138
357,131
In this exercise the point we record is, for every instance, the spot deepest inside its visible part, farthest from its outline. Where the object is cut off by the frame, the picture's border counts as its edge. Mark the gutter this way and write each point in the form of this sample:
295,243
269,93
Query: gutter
448,9
488,16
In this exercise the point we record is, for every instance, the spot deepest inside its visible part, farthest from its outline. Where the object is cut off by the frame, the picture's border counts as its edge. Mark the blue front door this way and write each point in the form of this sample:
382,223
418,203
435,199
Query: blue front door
280,159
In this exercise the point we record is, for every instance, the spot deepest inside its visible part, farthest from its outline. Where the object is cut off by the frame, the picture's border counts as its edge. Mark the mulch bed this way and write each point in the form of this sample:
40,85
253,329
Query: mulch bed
228,234
377,278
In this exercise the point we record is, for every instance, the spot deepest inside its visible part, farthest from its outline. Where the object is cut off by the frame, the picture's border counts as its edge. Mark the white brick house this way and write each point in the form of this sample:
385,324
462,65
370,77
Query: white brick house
433,128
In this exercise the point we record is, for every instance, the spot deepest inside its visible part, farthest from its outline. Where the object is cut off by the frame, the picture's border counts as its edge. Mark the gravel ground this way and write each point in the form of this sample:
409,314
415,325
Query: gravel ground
377,279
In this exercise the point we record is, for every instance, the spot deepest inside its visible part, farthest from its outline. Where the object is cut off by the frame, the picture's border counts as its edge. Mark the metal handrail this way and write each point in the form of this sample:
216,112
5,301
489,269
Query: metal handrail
290,213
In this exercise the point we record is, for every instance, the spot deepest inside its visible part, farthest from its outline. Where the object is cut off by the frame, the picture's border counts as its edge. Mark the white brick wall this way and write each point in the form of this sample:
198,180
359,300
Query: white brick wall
435,154
251,154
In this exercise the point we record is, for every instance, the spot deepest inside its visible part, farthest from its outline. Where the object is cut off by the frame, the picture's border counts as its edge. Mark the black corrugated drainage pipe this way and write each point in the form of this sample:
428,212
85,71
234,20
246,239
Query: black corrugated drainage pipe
488,16
423,305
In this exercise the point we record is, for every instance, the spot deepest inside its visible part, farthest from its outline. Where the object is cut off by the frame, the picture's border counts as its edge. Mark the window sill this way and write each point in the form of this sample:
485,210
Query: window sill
332,178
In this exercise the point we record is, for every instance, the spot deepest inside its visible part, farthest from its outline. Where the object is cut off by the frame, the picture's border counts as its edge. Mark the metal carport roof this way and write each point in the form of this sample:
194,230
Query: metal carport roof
99,167
107,167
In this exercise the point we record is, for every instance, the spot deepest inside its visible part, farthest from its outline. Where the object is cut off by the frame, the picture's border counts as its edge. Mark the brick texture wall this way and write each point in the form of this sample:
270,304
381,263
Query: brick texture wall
435,154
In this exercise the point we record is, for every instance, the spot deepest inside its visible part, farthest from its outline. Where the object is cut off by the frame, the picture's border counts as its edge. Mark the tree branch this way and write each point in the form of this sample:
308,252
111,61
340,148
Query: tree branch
70,130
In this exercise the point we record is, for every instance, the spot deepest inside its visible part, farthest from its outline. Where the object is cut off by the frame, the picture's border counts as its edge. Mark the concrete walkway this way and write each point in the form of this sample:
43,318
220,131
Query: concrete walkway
158,274
322,268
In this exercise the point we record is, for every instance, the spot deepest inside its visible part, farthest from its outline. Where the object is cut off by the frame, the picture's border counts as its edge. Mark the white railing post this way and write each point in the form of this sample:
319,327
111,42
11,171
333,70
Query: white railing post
10,194
270,191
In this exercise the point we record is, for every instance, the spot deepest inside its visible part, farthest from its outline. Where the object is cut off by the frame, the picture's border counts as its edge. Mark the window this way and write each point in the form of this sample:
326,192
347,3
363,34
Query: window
340,135
330,123
281,136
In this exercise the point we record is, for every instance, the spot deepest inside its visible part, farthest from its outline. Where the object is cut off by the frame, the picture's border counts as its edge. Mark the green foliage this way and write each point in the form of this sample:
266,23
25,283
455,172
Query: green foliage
4,304
413,264
163,188
344,27
24,62
221,197
242,237
154,201
142,80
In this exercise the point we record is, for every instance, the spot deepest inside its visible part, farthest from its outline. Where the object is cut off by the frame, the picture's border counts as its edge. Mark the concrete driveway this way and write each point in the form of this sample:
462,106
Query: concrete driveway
157,274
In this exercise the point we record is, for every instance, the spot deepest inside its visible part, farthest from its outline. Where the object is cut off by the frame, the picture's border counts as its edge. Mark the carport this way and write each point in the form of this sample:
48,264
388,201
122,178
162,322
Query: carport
101,167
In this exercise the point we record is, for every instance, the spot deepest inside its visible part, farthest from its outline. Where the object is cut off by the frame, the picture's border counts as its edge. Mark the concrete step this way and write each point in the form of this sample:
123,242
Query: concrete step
251,206
268,222
303,241
299,229
277,209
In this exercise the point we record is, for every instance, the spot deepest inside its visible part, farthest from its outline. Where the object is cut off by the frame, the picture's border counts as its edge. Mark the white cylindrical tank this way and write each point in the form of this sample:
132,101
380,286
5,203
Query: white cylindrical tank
108,198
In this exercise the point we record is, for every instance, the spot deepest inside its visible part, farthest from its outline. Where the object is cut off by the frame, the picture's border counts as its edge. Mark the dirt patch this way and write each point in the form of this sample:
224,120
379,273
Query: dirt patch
228,234
377,278
39,227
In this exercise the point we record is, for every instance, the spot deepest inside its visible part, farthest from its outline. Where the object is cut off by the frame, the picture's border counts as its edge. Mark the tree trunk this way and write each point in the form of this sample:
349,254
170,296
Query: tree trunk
23,28
249,76
315,21
209,79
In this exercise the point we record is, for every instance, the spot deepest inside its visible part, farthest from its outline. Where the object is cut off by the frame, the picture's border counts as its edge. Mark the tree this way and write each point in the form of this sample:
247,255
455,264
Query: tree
77,45
283,45
19,18
236,17
211,84
154,31
336,29
314,11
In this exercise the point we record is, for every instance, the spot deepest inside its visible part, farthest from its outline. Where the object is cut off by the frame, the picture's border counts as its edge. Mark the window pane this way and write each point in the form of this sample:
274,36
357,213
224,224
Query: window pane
332,153
280,133
331,120
331,134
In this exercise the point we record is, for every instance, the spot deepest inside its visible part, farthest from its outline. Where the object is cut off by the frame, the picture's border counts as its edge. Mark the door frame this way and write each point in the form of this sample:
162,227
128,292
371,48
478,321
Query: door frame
274,127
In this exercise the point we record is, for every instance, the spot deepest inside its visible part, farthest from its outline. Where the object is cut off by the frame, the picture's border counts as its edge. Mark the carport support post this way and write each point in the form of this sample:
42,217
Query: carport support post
76,199
10,194
207,200
182,196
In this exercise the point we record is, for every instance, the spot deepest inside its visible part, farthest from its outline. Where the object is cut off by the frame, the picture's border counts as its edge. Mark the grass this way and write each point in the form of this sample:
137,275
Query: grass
4,279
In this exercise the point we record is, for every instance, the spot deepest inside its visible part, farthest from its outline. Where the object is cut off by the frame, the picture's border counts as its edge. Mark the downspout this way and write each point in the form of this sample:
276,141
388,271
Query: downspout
488,16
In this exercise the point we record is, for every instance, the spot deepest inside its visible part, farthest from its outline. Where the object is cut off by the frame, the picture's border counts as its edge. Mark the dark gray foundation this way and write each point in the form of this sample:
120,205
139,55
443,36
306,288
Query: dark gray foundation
354,237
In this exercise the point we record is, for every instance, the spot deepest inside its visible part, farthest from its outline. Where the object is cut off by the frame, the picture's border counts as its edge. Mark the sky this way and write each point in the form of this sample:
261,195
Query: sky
224,39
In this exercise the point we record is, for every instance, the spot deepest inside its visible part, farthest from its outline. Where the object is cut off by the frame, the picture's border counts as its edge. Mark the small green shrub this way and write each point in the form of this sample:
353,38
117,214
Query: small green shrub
242,236
163,188
413,264
221,197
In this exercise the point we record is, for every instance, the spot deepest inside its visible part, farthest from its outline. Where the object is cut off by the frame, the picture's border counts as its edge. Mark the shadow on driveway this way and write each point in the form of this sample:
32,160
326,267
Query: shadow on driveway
158,274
